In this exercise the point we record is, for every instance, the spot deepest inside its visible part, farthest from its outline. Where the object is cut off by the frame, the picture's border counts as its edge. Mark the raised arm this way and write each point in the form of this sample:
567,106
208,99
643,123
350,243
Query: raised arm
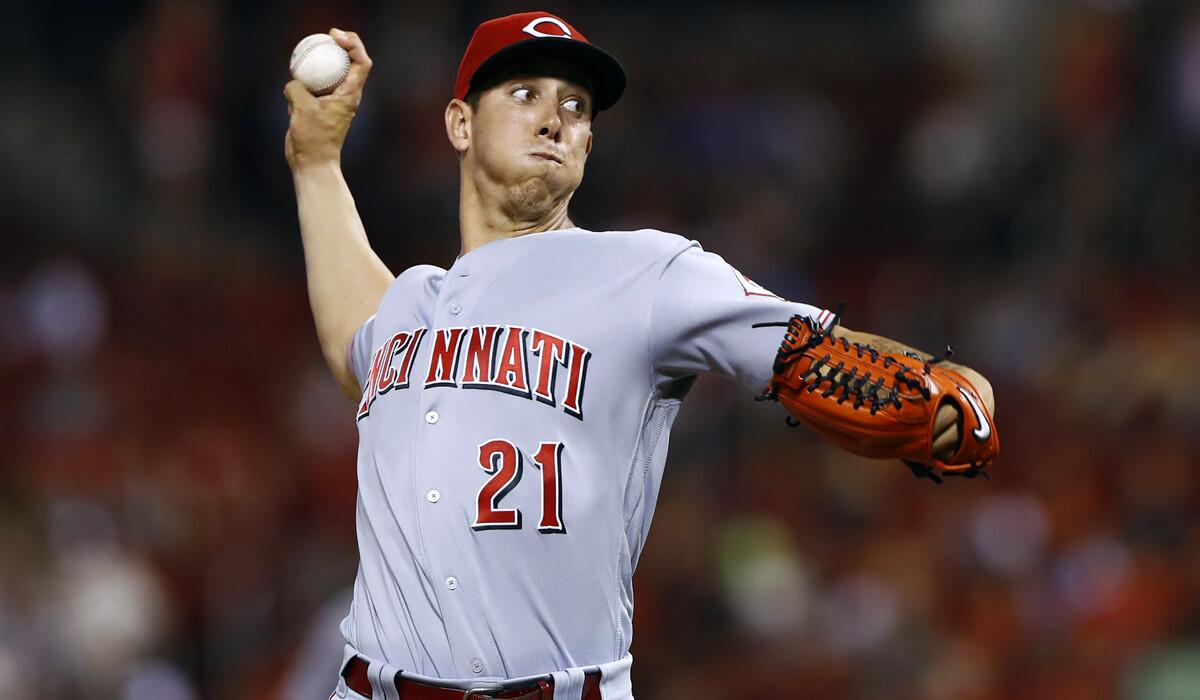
346,279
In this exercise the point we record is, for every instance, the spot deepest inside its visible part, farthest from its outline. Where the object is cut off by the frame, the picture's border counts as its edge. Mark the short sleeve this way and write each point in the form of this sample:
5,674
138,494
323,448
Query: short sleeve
701,319
359,352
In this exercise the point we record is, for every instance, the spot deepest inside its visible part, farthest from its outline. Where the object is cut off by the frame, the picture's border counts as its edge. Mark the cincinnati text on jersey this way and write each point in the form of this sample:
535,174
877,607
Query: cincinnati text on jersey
496,358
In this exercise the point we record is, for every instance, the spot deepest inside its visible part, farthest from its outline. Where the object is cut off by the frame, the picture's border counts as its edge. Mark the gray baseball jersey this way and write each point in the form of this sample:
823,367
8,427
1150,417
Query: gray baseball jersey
513,431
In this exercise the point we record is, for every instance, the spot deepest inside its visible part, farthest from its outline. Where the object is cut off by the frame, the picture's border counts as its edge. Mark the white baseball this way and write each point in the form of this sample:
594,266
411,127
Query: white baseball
319,63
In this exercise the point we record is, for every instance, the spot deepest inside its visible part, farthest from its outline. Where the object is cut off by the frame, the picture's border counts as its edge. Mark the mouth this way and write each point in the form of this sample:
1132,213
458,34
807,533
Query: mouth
547,156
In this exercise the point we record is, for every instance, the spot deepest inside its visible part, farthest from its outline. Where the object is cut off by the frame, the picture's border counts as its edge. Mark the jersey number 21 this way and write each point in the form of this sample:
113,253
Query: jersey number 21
504,462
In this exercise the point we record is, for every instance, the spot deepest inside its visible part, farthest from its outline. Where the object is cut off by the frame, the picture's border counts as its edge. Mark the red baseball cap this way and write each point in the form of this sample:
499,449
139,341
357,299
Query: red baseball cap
504,39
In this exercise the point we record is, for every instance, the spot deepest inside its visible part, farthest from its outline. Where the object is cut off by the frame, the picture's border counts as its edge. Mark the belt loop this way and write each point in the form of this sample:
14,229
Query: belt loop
614,677
568,684
383,679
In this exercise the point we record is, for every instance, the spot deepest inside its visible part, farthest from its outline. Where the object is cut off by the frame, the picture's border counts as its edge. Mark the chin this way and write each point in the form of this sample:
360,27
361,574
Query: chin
531,199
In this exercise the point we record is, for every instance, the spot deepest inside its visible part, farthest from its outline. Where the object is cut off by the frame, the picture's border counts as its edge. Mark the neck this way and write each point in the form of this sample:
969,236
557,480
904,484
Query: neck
485,216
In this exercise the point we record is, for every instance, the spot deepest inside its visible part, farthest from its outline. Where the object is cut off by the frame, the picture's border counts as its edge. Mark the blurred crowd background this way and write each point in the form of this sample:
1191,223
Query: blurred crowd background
1017,178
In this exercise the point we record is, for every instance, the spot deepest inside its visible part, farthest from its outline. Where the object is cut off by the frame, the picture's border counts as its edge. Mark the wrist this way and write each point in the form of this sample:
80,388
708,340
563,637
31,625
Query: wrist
315,166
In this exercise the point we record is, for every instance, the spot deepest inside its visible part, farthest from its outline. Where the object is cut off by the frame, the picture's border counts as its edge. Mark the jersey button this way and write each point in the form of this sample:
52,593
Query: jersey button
476,665
454,309
431,417
433,496
451,583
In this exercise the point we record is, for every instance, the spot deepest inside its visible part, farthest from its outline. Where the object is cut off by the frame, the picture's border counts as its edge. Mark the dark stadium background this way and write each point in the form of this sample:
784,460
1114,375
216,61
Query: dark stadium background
1017,178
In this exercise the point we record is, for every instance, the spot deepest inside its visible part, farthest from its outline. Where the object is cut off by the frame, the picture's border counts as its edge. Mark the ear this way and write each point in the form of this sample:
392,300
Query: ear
588,149
458,125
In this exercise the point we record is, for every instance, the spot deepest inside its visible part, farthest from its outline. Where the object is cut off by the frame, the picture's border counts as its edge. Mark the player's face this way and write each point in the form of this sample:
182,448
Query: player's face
531,135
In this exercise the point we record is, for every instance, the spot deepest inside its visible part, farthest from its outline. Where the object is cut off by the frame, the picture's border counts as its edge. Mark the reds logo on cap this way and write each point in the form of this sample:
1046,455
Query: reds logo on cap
505,39
531,28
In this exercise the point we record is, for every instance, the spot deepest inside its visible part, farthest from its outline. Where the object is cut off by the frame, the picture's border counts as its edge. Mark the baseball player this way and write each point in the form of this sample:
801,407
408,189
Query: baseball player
514,408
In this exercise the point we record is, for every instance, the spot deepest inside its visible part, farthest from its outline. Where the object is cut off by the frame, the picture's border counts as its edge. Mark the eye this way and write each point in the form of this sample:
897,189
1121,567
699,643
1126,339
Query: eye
574,104
523,94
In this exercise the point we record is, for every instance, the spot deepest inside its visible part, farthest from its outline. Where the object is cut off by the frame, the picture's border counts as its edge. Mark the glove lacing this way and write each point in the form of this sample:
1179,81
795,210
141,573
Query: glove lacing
862,388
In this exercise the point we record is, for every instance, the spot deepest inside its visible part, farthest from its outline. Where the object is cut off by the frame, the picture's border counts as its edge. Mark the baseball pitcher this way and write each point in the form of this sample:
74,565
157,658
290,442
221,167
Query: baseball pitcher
514,408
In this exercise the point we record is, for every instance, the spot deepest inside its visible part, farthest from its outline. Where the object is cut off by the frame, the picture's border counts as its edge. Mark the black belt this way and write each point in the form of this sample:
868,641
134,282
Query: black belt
355,675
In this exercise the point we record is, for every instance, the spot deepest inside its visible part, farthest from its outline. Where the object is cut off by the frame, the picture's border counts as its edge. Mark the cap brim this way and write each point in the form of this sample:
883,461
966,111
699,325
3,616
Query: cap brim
605,72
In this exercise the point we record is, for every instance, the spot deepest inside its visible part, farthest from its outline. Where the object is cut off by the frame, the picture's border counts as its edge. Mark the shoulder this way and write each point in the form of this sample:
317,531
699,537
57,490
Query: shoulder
416,278
647,244
418,273
411,285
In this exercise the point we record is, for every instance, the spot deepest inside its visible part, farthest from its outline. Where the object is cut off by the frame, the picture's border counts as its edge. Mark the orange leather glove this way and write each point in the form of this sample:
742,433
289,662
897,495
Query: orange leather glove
879,404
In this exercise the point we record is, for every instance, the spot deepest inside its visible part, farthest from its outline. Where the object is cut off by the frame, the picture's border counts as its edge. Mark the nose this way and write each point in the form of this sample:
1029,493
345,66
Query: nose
549,122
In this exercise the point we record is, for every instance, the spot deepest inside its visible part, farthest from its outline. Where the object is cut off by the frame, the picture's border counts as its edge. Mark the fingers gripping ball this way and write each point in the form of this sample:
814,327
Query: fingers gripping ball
878,404
319,63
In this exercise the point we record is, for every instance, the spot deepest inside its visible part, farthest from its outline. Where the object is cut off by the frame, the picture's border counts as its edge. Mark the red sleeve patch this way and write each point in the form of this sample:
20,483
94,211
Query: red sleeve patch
752,288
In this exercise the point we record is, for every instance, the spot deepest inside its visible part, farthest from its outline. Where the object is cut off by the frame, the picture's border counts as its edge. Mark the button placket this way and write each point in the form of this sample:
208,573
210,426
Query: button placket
450,308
